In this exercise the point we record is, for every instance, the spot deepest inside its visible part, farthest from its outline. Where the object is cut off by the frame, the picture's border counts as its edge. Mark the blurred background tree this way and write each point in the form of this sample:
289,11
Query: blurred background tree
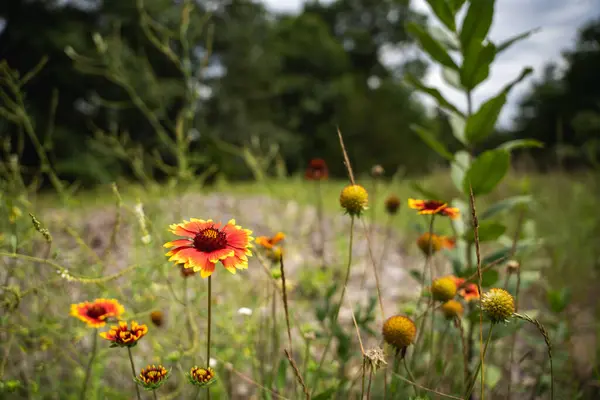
258,78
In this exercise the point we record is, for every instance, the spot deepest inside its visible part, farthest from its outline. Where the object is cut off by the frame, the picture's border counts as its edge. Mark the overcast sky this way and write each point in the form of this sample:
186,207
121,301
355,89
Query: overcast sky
559,20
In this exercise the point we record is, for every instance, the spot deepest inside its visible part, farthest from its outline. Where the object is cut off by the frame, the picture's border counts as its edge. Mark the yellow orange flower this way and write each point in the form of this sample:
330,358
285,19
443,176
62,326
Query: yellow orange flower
206,243
433,207
269,242
121,335
468,291
96,313
437,243
317,170
452,309
498,304
152,377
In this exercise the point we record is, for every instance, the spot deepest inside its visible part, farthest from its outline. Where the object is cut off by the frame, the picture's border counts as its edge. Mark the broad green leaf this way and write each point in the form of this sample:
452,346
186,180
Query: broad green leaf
444,12
448,41
476,65
488,278
482,123
488,231
431,46
459,168
486,172
505,252
432,142
452,78
477,23
456,5
504,205
521,143
443,103
507,43
458,124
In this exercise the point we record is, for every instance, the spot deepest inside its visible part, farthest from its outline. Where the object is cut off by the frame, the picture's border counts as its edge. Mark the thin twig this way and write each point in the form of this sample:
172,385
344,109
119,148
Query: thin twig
285,302
346,159
297,373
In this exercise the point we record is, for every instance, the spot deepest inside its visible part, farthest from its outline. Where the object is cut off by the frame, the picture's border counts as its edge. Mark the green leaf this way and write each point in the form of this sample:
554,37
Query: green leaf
449,42
326,395
281,374
443,103
488,231
477,23
459,168
507,43
444,12
488,278
458,124
559,299
487,171
521,143
431,46
505,205
482,123
456,5
432,142
476,65
452,78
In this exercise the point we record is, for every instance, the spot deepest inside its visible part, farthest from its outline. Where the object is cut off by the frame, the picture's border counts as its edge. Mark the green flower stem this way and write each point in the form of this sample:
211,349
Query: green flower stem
337,311
208,333
480,365
88,370
137,389
154,394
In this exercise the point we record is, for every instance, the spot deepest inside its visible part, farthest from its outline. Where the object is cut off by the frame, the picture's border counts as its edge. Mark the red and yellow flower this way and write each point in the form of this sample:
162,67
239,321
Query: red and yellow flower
468,291
201,377
123,336
431,207
152,377
317,170
269,242
96,313
425,242
206,243
272,250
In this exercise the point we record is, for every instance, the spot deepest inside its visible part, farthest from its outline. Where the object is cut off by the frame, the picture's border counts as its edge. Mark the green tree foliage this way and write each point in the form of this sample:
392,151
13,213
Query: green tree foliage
126,86
563,110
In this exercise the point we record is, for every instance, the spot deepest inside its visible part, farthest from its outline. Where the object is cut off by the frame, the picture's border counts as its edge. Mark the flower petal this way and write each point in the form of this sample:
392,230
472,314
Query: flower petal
178,242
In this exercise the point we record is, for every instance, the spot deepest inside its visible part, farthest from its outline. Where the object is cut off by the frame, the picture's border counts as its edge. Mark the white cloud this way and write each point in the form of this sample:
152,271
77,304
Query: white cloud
558,19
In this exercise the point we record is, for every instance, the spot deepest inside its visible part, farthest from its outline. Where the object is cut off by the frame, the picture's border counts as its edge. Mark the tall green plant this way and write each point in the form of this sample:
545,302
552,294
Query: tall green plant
465,53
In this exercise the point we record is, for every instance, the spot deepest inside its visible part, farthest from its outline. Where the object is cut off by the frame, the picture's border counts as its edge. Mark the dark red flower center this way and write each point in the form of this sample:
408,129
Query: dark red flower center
434,205
96,311
209,240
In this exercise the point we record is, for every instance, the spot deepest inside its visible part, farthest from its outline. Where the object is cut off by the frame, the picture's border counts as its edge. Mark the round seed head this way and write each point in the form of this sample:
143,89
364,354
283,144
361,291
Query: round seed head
399,331
452,309
498,304
443,289
354,199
